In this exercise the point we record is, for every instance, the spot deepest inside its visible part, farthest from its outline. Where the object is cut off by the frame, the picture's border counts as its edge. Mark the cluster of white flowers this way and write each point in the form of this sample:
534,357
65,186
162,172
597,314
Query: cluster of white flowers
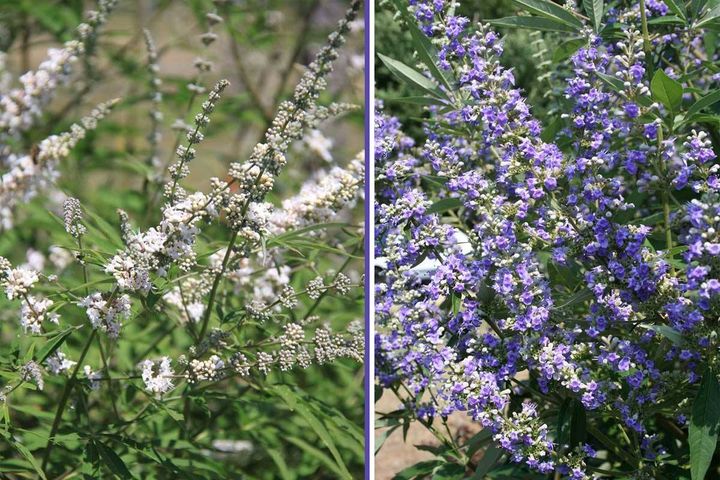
16,281
72,214
34,311
93,377
32,372
155,114
157,375
59,364
30,173
315,287
188,296
155,249
20,107
321,198
292,348
23,175
330,346
319,144
210,369
106,315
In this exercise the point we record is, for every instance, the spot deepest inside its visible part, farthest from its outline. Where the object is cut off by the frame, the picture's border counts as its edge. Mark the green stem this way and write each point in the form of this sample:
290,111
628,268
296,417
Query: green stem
64,399
665,198
646,38
215,285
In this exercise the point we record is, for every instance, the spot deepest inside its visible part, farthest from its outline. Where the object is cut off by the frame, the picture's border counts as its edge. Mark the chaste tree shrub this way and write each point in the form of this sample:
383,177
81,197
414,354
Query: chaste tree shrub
555,278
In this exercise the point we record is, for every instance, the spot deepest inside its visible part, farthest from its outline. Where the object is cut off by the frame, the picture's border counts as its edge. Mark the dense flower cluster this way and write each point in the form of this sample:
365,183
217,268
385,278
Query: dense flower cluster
552,279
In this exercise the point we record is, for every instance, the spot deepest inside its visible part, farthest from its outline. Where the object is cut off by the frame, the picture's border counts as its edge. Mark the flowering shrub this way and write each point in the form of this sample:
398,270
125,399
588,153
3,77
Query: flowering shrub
555,279
175,344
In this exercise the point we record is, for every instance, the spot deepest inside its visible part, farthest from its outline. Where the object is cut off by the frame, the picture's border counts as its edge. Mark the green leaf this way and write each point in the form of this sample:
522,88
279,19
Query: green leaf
666,20
448,471
532,23
704,102
711,43
53,344
549,132
666,90
27,454
703,431
280,463
550,10
444,205
709,17
578,424
478,441
419,470
668,332
411,76
617,85
424,48
678,8
317,453
488,461
113,461
594,10
417,100
567,49
296,403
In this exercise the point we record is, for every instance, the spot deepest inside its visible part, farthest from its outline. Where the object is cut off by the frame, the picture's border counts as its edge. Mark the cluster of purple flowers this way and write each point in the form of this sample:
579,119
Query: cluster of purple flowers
568,269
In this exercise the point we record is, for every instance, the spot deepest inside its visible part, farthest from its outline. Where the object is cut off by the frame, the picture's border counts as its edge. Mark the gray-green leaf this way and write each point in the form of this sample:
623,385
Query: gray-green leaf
548,9
666,90
411,76
703,430
533,23
594,10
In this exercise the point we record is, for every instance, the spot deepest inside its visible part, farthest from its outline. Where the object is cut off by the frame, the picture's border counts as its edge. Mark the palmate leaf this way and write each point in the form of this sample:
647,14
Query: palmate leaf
704,423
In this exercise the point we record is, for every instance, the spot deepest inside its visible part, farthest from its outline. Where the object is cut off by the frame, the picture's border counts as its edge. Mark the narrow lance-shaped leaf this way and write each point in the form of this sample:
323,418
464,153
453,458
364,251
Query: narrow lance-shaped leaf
703,430
678,8
594,10
548,9
424,48
709,17
533,23
411,76
704,102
